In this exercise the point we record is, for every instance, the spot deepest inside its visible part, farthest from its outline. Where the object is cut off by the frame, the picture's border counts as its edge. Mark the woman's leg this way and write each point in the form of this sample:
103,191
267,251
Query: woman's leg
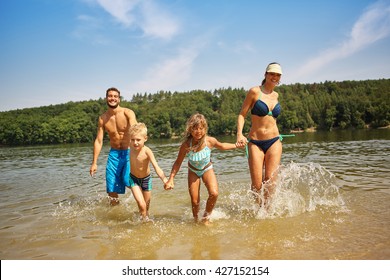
256,162
272,163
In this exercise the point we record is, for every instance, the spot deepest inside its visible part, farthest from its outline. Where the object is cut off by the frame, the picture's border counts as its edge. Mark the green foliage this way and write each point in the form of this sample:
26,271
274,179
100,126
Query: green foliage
326,106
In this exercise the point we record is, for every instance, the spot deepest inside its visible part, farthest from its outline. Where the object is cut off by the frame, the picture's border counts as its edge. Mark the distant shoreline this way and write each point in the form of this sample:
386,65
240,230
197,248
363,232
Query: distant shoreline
299,130
314,129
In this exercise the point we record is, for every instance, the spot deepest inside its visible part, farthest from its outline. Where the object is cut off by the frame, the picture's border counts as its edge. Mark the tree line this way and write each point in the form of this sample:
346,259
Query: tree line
324,106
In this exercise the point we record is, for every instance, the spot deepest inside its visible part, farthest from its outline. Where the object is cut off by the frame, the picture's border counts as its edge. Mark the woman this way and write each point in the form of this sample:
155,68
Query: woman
264,143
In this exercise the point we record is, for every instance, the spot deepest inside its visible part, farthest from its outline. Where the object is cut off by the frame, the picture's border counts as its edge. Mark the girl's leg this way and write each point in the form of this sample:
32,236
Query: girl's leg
139,198
210,181
193,188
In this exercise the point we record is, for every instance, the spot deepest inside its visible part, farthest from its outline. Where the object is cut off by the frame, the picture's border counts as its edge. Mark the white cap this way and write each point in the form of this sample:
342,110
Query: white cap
274,68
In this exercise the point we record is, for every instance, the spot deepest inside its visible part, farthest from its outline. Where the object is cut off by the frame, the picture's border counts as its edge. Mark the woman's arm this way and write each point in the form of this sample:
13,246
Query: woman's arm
249,99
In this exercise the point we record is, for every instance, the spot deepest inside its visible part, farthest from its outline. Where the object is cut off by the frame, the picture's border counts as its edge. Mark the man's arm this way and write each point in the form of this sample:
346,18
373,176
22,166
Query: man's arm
130,116
97,146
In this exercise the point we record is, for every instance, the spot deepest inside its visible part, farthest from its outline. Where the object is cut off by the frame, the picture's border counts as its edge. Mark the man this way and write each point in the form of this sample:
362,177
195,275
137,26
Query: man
116,121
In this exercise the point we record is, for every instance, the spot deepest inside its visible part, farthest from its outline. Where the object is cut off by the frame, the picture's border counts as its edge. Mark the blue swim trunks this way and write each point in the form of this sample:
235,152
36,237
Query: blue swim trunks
118,171
144,183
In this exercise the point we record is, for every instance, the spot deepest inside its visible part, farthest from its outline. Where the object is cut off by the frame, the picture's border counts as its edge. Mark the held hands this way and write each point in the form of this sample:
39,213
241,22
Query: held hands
241,141
240,145
169,185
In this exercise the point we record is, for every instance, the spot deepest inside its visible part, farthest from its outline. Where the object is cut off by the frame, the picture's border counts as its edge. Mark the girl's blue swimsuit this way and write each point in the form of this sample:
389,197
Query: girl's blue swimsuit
199,162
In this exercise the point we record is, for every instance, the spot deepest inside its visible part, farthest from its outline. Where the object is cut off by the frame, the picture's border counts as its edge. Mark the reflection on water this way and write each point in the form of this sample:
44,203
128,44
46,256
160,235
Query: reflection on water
329,185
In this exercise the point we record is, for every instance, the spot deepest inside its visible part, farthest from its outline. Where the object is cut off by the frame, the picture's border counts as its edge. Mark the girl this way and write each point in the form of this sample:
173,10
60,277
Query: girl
197,145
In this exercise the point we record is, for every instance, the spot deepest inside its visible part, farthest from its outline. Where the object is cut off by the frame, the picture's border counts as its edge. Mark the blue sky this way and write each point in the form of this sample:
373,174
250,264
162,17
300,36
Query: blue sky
55,51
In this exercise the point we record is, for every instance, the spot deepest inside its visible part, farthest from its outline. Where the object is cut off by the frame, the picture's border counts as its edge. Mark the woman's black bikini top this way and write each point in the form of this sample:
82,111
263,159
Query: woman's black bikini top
261,109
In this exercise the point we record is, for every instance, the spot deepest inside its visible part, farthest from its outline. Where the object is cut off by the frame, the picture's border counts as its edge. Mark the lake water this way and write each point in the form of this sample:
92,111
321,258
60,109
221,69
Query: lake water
332,203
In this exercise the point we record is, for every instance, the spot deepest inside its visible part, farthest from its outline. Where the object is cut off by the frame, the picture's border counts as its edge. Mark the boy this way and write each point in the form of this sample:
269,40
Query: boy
140,158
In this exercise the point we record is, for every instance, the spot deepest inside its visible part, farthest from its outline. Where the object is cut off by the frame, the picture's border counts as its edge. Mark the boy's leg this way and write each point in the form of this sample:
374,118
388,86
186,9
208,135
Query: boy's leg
147,196
139,198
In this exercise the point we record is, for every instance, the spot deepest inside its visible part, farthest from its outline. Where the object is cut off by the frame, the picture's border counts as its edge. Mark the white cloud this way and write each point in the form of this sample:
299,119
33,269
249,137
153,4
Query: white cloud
372,26
88,29
120,9
169,73
157,22
152,19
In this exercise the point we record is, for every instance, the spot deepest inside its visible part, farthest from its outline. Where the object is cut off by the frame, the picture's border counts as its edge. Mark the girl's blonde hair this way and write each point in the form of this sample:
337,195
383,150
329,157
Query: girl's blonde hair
138,128
195,121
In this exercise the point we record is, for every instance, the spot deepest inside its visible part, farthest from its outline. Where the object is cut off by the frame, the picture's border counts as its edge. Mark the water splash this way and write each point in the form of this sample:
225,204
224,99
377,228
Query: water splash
304,187
96,210
300,187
